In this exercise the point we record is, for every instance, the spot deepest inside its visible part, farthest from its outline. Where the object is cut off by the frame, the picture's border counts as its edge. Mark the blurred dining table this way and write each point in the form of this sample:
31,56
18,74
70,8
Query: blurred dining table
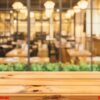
81,55
14,43
17,53
6,46
24,60
78,53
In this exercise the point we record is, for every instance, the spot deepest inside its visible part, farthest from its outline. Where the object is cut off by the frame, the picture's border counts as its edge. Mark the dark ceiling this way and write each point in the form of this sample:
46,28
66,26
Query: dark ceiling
36,4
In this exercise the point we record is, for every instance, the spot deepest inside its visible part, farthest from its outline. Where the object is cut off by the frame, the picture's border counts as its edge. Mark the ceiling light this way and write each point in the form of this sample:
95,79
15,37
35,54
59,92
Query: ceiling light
76,9
49,6
83,4
17,5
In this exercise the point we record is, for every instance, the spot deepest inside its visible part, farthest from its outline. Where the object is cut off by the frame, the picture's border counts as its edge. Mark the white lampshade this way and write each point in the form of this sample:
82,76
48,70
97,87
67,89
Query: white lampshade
83,4
49,5
17,5
76,9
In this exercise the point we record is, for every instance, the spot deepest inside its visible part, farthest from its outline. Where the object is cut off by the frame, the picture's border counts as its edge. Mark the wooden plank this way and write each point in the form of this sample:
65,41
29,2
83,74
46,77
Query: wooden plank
50,81
32,76
53,75
69,90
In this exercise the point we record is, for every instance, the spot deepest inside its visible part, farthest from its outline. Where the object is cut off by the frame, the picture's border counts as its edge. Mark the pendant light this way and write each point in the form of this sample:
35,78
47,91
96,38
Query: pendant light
49,4
49,7
17,5
83,4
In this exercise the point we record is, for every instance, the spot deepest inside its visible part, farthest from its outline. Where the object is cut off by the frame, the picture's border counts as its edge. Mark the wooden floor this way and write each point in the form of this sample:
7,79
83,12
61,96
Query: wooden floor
50,85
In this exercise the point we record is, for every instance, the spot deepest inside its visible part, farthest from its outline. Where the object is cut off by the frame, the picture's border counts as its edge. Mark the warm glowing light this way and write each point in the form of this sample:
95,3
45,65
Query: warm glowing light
83,4
68,16
49,6
17,5
48,13
71,12
76,9
31,14
23,9
11,11
15,21
57,10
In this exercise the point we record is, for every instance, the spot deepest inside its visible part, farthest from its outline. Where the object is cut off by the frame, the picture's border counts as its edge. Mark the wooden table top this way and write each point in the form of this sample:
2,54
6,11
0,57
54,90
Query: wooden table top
78,53
52,83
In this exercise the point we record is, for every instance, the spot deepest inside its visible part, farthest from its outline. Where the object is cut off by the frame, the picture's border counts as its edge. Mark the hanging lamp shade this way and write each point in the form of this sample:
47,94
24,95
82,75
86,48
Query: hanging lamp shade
83,4
49,6
17,5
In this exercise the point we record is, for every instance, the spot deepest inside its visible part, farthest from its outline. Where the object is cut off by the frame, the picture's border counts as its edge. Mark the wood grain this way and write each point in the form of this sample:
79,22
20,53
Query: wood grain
53,83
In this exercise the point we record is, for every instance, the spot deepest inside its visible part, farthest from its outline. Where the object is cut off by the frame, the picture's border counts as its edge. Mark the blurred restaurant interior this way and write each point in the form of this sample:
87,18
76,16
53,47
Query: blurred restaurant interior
37,31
